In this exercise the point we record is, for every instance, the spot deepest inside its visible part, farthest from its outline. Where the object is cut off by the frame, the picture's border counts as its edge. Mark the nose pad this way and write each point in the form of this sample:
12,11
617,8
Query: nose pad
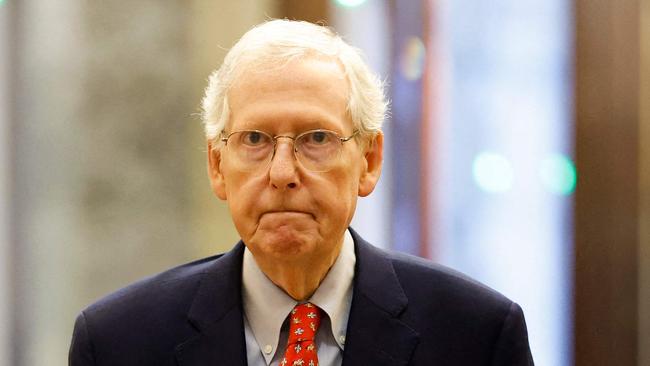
291,151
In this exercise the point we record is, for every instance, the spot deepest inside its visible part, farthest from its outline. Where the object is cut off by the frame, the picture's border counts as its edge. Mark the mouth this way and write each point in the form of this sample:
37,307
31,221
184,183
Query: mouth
277,220
288,212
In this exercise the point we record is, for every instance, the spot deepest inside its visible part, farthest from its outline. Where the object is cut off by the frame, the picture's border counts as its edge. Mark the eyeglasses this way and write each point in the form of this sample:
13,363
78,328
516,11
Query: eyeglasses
316,150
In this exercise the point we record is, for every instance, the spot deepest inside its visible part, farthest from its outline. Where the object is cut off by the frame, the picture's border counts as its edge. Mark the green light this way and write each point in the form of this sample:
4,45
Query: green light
350,3
558,174
493,172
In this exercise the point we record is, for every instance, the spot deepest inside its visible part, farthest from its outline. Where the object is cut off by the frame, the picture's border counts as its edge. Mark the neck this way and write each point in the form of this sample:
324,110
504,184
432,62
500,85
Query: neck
299,285
299,279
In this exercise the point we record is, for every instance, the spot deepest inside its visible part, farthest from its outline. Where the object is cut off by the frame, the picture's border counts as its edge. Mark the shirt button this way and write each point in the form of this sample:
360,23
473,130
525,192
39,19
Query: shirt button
268,349
342,339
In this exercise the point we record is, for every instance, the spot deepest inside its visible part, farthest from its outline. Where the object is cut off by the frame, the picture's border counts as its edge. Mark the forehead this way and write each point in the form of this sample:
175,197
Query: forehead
303,94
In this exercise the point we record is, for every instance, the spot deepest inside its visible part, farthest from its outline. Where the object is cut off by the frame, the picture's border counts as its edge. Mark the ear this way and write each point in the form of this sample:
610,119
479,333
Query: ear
373,160
217,181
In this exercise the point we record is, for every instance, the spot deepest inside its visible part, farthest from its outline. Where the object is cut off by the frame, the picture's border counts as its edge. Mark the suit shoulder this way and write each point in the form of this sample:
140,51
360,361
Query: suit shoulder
472,315
421,276
143,323
162,287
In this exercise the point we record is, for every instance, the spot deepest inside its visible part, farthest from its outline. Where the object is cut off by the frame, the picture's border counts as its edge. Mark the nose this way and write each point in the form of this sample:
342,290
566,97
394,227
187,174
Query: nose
283,173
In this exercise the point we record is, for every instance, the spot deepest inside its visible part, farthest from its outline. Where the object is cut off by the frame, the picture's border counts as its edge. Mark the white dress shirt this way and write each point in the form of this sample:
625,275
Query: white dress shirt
266,308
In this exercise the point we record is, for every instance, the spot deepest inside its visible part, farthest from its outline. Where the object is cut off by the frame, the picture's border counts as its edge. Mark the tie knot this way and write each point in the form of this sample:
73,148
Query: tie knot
303,322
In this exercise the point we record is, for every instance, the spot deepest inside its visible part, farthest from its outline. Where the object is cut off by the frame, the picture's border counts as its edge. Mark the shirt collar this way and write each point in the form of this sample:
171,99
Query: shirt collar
266,305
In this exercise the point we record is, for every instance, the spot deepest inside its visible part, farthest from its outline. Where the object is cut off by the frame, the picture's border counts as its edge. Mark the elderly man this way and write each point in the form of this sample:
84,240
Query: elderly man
293,120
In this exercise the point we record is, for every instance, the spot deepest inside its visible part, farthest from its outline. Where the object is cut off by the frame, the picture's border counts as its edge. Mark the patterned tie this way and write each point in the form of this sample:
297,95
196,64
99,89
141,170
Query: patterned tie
303,324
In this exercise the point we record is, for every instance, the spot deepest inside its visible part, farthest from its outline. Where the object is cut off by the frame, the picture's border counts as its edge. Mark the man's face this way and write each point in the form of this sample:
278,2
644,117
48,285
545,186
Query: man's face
284,212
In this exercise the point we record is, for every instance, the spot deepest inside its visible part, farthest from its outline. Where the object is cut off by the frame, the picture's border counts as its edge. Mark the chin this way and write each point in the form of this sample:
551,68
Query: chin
288,244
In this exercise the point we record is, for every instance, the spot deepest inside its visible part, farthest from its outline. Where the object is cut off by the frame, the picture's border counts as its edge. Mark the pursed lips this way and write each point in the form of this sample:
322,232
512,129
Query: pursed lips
286,212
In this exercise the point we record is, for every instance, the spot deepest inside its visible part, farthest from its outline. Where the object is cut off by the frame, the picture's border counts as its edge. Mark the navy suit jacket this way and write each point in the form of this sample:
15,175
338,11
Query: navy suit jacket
405,311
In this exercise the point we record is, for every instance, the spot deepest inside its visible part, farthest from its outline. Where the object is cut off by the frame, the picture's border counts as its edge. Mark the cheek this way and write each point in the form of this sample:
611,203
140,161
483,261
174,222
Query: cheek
238,183
338,199
243,194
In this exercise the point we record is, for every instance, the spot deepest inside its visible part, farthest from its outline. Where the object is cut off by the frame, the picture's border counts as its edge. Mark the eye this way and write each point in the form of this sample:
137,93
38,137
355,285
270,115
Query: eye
318,138
254,138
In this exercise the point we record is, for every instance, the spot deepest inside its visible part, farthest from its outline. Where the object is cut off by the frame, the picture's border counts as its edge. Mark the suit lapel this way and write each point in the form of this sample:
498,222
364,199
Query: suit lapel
216,314
376,335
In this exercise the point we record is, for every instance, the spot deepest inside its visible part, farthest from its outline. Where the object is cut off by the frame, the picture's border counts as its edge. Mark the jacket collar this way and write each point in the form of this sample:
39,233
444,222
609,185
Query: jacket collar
216,313
376,335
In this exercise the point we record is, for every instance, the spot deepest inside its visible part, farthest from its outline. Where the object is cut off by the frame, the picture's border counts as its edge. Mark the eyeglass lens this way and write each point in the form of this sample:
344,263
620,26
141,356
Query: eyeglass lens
316,150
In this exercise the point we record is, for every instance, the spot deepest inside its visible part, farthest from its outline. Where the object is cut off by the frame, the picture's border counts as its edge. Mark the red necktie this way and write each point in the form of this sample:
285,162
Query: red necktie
301,348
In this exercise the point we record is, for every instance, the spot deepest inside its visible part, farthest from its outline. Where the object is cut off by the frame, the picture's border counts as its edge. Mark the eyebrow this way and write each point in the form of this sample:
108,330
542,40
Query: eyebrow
299,127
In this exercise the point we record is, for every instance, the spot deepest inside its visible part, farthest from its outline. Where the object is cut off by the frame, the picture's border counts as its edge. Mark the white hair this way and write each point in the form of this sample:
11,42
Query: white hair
279,42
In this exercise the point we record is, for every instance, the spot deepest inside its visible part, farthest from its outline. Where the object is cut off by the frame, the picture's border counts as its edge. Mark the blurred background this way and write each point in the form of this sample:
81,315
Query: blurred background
518,152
